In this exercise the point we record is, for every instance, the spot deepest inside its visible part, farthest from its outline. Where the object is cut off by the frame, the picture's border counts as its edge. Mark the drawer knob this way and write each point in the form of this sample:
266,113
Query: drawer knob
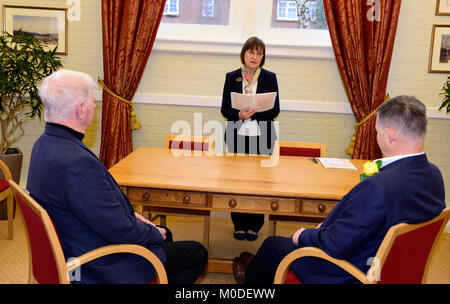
232,203
186,199
274,205
321,207
146,196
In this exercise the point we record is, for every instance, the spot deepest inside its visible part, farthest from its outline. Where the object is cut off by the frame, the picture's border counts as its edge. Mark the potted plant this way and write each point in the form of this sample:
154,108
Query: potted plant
446,95
24,61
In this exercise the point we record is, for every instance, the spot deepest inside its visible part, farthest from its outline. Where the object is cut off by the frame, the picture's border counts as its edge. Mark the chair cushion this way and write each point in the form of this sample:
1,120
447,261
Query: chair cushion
153,281
294,151
3,185
291,278
189,145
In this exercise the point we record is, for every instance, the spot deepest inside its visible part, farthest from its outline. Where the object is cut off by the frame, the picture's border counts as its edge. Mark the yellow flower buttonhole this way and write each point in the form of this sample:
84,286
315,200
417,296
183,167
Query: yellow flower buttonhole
370,168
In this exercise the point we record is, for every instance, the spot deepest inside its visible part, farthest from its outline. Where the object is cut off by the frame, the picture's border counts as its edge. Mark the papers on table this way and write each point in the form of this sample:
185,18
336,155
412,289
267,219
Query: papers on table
261,102
336,163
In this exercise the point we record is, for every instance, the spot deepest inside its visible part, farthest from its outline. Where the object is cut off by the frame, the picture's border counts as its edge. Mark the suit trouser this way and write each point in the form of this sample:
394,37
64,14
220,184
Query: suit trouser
185,260
248,145
262,268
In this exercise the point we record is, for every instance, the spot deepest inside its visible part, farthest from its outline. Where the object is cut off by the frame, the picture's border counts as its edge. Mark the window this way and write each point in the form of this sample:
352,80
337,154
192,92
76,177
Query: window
312,8
208,8
287,10
171,8
208,12
295,28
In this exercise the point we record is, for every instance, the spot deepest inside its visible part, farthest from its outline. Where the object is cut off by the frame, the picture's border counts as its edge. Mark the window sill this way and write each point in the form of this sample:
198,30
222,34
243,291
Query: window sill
232,48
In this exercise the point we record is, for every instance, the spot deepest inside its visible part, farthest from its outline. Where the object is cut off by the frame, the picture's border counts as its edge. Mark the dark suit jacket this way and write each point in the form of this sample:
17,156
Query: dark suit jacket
267,82
410,190
88,208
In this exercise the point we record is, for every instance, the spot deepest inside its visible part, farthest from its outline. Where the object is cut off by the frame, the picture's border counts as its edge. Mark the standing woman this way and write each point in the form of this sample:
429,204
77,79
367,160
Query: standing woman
247,131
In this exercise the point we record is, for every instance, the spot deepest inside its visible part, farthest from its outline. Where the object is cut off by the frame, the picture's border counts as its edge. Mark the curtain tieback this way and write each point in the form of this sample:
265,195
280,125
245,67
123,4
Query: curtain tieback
351,146
135,124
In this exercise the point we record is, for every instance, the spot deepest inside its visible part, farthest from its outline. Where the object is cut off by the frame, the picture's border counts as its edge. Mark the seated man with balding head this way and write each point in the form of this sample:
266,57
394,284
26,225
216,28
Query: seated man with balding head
87,206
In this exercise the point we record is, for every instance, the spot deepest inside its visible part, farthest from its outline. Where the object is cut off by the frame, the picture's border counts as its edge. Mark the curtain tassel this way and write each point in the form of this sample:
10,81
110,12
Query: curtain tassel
134,122
351,146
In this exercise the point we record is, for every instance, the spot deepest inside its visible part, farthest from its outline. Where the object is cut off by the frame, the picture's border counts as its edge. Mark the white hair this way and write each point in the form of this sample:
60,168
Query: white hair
62,91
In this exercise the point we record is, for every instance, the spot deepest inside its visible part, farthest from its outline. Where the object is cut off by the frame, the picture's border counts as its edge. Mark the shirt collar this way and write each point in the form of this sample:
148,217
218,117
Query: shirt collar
389,160
77,134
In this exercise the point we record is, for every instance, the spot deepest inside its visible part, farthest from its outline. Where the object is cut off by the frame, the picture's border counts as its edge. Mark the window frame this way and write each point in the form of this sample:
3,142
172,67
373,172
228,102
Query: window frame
168,6
208,6
247,18
286,11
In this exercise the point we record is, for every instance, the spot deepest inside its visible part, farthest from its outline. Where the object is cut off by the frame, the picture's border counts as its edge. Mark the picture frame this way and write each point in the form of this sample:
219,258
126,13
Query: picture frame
48,24
440,49
443,7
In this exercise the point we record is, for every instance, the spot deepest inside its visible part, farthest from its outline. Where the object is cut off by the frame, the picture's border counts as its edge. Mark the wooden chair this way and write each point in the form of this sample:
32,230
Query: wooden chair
47,263
186,145
403,256
189,143
6,193
299,149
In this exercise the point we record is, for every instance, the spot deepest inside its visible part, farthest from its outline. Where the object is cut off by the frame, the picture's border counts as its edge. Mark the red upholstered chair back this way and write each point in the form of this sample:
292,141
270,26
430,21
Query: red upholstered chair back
191,143
305,149
45,250
403,256
6,193
406,251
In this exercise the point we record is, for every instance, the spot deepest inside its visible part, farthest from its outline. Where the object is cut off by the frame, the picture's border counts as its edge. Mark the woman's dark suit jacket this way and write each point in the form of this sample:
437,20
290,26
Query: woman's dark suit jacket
267,82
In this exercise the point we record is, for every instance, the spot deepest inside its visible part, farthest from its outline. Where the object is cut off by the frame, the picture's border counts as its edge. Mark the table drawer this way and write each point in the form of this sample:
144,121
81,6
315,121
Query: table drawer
254,203
167,196
316,207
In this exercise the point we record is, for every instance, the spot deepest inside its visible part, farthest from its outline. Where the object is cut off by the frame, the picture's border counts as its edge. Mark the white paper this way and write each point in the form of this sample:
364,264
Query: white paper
261,102
336,163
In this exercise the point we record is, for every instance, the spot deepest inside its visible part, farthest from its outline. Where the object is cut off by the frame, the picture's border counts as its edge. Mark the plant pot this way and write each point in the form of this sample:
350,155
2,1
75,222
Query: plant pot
13,159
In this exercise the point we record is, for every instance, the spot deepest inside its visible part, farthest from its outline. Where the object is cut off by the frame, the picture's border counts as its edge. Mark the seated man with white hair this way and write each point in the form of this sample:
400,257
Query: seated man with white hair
87,206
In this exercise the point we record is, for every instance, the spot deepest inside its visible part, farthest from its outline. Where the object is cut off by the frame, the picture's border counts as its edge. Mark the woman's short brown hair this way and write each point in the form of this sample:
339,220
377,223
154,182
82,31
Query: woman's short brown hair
254,43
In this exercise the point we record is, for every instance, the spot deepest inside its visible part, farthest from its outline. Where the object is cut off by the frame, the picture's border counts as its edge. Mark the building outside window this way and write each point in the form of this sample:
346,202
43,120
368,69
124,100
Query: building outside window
209,12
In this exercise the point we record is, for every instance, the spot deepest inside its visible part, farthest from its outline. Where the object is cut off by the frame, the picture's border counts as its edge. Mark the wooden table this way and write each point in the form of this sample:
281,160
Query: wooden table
199,184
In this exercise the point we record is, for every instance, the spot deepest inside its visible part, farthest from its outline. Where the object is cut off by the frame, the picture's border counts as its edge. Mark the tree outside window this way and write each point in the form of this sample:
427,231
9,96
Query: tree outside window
303,14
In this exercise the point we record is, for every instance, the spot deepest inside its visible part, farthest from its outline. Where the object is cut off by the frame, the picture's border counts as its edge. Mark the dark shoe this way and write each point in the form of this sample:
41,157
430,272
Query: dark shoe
240,265
251,236
240,236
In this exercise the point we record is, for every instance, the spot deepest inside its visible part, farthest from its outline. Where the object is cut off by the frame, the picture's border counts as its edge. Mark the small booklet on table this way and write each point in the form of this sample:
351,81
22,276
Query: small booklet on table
336,163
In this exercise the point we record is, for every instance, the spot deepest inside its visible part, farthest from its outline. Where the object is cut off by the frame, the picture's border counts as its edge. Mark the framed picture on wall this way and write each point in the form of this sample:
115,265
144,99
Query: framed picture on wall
48,24
443,7
440,49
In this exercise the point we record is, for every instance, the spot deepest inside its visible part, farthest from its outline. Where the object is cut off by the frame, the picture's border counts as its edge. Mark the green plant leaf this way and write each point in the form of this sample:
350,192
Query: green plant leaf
24,62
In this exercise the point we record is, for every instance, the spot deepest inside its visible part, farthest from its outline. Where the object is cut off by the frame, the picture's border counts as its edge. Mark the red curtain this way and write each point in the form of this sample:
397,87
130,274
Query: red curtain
363,34
129,31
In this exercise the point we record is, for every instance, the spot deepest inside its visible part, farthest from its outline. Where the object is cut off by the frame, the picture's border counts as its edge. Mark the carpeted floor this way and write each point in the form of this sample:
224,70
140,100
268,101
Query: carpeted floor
14,254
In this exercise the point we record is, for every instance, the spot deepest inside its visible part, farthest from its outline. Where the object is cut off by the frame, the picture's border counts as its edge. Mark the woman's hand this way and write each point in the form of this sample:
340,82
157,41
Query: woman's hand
246,113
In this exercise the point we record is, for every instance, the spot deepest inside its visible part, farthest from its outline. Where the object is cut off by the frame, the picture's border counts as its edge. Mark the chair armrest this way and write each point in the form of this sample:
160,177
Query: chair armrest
122,248
283,268
5,170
